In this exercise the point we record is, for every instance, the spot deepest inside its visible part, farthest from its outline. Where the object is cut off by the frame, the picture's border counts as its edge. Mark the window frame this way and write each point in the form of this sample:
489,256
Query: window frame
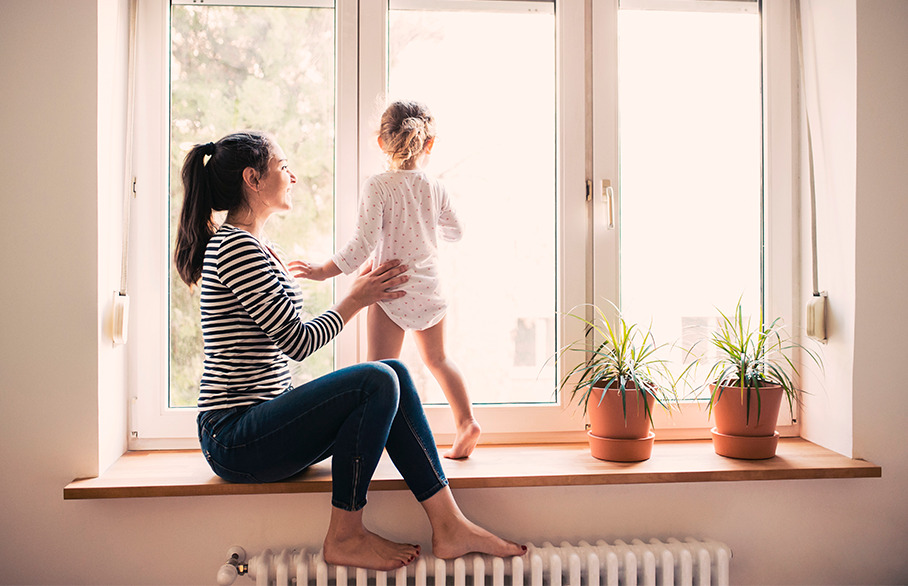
150,420
583,155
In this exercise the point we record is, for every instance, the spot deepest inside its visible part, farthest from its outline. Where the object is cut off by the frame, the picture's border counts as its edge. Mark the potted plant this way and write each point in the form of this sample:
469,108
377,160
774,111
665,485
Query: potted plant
748,377
618,383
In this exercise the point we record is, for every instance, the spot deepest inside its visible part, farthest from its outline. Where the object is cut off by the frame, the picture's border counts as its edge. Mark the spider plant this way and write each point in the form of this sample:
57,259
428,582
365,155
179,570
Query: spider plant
753,357
616,355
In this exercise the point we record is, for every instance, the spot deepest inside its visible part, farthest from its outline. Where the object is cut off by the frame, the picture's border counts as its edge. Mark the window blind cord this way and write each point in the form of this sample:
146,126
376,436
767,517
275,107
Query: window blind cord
130,186
810,162
817,306
120,312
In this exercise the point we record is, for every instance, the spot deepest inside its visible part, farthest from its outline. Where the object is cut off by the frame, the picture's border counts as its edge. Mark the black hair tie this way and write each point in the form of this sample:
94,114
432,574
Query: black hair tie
208,149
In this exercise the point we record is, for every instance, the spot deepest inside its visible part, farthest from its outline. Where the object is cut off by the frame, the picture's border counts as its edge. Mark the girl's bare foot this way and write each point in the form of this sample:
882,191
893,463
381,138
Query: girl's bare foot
465,440
349,543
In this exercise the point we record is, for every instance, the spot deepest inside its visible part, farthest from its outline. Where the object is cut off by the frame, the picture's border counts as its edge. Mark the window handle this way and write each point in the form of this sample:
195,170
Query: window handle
608,198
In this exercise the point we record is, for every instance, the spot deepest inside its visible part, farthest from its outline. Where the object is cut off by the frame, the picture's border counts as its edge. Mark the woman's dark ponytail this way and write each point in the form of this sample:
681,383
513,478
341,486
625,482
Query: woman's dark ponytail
213,186
196,224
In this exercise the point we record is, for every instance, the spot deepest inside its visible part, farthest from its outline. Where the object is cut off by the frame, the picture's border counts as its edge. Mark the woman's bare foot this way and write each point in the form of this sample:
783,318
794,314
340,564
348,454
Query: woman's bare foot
467,537
453,535
465,440
349,543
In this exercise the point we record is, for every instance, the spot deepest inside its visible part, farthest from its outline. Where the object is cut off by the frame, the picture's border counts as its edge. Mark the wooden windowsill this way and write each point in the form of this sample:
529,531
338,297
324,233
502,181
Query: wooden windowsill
185,472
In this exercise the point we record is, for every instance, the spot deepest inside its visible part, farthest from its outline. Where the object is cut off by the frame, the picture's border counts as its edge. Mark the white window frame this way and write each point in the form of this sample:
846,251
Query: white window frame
585,252
150,420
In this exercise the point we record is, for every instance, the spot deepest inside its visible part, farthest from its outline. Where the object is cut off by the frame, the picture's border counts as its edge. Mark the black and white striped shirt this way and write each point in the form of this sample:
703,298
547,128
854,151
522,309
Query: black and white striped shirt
251,322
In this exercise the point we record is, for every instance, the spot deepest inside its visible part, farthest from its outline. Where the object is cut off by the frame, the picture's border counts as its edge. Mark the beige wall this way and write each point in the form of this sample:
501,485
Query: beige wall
55,359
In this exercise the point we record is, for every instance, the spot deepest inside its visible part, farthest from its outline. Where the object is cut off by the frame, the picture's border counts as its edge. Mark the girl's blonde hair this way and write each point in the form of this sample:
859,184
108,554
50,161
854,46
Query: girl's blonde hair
406,129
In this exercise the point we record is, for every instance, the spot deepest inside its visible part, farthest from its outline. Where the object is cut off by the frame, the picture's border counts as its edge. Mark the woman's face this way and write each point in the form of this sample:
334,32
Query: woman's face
275,186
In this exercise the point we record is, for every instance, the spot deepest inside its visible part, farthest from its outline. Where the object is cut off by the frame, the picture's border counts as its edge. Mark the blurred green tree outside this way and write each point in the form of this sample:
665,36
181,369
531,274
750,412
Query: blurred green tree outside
254,68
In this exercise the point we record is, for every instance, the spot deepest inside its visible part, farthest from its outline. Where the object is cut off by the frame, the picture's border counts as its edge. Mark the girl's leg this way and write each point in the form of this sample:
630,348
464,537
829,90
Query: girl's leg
412,449
385,337
431,344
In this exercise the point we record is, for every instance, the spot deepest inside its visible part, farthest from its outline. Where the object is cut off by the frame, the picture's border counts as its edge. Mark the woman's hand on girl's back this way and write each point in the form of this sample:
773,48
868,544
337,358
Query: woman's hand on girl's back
373,285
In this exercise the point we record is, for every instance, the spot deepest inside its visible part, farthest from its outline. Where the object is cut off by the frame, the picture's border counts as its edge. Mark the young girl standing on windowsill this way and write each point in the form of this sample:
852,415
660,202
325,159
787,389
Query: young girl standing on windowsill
402,212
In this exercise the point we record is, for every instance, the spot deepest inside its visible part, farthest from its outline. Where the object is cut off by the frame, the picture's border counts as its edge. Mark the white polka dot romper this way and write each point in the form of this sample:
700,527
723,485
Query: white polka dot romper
401,215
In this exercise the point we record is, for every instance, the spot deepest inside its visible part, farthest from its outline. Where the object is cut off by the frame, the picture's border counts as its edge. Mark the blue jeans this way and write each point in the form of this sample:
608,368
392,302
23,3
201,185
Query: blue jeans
352,415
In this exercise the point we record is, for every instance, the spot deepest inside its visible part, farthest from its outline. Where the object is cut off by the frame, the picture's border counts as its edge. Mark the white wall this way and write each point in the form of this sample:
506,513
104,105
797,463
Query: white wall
55,359
49,250
830,58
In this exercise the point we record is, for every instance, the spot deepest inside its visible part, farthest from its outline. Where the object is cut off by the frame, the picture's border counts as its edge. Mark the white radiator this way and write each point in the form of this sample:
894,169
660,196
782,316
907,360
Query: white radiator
665,563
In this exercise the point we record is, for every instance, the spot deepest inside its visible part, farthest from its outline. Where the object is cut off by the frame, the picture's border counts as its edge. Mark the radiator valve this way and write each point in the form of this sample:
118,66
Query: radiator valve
233,567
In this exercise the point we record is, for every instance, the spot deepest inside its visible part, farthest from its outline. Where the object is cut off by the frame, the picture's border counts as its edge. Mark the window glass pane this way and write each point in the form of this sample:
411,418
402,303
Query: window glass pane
691,165
262,68
488,75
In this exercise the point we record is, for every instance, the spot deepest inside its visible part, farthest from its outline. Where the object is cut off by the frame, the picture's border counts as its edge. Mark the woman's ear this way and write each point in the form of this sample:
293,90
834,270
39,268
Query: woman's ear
251,178
381,143
429,144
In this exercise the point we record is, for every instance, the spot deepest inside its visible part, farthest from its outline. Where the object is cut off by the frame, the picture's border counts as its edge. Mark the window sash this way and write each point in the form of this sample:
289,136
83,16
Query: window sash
779,225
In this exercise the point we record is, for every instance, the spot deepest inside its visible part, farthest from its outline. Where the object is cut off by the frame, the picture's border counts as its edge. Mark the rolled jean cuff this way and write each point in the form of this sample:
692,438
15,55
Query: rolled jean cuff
425,495
346,507
443,482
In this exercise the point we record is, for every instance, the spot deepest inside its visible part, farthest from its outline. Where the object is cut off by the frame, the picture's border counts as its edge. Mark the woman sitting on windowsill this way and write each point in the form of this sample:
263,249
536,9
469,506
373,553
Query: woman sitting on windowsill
253,425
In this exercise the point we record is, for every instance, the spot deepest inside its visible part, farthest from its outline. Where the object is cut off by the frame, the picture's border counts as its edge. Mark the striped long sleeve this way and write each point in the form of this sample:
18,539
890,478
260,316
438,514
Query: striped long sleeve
251,323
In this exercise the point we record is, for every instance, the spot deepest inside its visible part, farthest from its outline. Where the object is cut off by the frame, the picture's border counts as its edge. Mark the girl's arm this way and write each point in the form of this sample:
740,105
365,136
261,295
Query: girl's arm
357,250
304,270
451,228
370,286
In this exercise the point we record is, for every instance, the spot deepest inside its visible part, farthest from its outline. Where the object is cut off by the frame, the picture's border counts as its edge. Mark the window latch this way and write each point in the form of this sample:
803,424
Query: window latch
608,198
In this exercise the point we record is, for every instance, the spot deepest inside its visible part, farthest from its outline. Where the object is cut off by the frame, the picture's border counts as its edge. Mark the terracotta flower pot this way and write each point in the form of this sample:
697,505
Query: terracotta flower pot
731,411
615,437
749,435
